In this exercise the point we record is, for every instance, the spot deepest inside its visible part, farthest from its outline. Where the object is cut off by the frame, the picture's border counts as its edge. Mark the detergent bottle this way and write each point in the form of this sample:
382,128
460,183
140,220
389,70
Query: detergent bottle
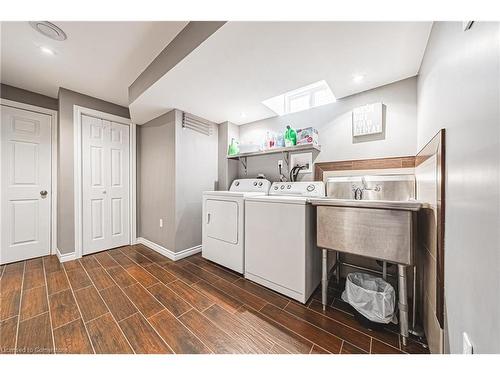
233,148
290,136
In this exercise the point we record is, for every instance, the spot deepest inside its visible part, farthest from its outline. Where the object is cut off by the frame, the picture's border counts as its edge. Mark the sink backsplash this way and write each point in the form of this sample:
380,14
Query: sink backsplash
399,187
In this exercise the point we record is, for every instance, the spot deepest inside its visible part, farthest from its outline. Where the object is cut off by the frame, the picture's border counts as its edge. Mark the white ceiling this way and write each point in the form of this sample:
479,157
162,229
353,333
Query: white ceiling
100,59
244,63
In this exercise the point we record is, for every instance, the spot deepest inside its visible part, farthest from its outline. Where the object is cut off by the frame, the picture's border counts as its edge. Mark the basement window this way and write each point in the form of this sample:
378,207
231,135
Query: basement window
307,97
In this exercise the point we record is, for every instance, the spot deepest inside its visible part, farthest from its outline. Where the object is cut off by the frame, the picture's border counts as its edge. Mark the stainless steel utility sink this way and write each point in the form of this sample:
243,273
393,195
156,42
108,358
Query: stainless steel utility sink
374,217
378,229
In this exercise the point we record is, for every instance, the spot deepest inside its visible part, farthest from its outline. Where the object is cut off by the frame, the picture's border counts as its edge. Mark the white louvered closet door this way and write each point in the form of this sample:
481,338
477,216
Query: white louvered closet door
105,184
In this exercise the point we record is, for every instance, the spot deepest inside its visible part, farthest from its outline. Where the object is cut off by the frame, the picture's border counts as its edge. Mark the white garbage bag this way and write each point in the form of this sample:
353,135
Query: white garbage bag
371,296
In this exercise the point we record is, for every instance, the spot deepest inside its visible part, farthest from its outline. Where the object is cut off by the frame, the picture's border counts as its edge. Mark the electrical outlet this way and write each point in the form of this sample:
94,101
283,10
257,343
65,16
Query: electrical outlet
467,344
161,223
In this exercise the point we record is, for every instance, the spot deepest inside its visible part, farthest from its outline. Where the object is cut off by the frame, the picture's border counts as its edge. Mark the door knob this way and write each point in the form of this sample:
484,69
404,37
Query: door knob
43,193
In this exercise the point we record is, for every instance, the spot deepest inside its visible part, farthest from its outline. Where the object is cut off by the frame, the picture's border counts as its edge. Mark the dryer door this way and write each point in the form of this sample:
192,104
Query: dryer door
221,220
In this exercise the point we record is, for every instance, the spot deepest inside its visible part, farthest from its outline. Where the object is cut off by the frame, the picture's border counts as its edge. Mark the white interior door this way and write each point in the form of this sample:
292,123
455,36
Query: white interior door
26,184
105,184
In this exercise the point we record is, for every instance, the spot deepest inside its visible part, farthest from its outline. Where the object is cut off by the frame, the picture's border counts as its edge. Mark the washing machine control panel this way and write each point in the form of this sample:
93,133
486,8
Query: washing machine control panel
251,185
301,188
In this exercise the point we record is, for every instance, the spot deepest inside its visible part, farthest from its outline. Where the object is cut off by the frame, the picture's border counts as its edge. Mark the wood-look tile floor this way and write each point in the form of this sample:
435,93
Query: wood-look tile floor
133,300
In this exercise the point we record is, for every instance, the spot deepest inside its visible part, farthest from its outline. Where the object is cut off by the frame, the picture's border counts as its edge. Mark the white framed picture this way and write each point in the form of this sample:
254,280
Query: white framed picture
367,120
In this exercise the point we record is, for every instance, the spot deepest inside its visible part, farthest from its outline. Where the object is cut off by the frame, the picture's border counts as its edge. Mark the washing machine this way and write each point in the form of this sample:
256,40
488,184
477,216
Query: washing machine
280,238
223,237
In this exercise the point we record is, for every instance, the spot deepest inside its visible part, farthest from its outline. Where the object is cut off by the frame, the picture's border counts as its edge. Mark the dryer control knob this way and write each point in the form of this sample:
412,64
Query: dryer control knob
275,188
255,184
289,186
282,187
310,187
237,183
260,183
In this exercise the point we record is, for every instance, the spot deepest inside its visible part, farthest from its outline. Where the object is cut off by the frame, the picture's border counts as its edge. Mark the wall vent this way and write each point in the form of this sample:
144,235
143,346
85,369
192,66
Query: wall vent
197,124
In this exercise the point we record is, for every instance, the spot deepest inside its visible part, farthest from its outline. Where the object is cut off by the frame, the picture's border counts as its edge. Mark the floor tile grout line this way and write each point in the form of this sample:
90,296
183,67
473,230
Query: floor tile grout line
342,346
237,286
245,291
177,318
34,316
215,302
19,309
109,310
65,324
324,330
195,265
191,309
131,315
245,323
287,328
371,345
48,306
367,334
185,312
78,307
347,325
313,342
232,335
212,263
270,338
216,266
138,310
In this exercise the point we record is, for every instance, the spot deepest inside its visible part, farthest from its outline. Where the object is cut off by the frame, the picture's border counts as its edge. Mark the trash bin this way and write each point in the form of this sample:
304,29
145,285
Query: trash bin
371,296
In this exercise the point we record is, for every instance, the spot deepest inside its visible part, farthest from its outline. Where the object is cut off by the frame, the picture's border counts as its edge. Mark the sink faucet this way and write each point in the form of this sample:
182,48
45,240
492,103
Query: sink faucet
358,191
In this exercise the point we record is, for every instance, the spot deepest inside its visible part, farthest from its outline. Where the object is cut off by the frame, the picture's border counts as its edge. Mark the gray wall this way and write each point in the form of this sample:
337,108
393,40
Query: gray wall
333,122
156,180
175,166
458,89
27,97
65,183
228,169
196,171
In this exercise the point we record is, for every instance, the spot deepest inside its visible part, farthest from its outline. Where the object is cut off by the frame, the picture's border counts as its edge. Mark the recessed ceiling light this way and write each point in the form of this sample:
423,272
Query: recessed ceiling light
47,50
49,30
357,78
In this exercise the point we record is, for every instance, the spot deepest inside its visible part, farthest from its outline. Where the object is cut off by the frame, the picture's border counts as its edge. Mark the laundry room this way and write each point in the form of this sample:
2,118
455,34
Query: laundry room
232,186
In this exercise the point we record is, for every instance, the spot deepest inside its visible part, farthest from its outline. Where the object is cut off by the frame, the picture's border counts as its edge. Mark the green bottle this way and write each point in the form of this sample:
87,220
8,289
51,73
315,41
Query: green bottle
233,148
290,136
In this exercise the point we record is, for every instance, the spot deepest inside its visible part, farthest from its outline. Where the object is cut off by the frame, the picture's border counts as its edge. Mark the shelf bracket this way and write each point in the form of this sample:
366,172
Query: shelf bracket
286,156
244,163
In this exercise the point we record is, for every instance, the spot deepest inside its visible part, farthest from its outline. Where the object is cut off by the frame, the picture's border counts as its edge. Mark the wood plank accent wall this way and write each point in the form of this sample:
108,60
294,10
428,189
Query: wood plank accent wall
436,146
346,165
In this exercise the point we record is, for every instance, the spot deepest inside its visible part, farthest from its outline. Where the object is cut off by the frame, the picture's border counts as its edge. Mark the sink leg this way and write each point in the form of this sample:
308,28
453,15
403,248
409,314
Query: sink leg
337,268
403,303
324,279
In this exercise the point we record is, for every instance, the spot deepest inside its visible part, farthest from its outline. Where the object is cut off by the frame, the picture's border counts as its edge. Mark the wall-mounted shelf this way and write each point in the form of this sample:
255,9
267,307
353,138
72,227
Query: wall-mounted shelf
308,147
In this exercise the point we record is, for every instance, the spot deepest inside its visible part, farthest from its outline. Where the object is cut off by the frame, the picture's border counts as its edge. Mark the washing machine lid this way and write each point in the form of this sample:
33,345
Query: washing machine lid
235,194
286,199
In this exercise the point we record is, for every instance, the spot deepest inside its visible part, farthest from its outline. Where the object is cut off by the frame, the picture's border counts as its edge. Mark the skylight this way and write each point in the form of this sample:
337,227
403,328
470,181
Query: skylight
300,99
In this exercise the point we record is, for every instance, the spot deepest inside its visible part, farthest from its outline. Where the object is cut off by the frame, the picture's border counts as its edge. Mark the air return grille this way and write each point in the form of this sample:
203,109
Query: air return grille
197,124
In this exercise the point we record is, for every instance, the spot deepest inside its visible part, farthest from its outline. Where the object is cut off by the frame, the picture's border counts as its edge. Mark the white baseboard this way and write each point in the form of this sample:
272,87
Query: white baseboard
65,257
169,253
